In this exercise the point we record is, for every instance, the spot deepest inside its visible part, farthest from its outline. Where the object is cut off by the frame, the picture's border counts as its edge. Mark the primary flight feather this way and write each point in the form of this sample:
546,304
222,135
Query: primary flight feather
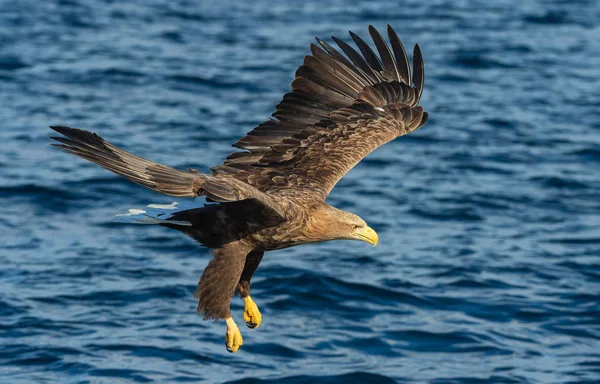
271,193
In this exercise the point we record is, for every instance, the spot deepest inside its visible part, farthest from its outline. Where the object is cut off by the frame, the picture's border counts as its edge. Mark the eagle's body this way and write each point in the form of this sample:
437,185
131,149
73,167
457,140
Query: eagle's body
216,225
271,195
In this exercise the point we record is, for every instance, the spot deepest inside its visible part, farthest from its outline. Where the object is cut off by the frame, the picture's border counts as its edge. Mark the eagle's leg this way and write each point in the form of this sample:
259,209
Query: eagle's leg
217,285
252,315
233,336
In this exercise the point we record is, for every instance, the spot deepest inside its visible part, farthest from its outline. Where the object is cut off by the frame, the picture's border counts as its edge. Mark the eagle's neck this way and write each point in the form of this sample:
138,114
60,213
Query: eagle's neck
323,224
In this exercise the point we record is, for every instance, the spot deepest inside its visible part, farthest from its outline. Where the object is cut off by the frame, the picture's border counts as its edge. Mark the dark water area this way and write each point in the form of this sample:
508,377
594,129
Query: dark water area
488,268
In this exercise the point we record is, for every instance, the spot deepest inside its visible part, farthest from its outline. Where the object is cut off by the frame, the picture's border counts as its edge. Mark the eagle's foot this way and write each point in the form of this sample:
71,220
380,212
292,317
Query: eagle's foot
252,315
233,336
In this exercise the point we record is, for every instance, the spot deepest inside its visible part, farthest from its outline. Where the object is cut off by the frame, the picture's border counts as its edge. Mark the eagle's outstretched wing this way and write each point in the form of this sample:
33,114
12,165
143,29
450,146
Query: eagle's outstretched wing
157,177
340,109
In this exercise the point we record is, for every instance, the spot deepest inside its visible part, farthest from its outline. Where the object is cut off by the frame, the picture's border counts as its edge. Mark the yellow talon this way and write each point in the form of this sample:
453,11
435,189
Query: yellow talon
252,315
233,336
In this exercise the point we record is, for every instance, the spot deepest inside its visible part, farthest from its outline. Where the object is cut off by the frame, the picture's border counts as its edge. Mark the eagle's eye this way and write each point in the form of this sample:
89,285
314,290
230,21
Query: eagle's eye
354,226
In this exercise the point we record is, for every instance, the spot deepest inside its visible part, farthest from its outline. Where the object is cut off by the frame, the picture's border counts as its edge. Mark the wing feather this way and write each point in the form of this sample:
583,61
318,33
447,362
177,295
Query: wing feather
347,84
400,53
391,69
367,52
338,68
418,71
337,56
318,73
358,61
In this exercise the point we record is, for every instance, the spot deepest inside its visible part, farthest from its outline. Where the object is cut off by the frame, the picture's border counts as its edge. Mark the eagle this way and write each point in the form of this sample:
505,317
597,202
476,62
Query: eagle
271,193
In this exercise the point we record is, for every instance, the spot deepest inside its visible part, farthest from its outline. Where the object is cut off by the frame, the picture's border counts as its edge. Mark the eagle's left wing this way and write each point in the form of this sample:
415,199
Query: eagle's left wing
340,110
313,162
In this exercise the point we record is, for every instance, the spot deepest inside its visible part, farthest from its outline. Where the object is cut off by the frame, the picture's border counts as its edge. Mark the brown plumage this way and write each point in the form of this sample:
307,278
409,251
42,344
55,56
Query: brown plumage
271,194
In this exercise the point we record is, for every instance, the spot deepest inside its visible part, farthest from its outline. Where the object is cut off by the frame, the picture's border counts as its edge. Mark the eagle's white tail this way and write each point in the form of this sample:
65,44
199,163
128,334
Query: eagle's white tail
153,214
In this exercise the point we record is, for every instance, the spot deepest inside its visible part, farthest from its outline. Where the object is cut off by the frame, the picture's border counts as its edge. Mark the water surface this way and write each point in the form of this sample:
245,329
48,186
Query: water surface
488,263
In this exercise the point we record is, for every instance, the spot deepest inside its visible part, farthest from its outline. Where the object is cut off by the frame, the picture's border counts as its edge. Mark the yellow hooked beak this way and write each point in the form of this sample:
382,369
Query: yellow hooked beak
367,234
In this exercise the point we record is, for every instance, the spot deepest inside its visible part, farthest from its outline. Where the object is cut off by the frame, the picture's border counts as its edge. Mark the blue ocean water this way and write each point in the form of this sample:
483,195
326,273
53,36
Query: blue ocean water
488,268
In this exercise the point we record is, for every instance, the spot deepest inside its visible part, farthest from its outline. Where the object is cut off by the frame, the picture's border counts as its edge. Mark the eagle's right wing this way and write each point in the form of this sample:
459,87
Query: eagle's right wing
157,177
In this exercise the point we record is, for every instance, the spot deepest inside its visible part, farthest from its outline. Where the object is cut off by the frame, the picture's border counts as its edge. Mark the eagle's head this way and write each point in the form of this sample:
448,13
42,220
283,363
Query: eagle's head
329,223
352,227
